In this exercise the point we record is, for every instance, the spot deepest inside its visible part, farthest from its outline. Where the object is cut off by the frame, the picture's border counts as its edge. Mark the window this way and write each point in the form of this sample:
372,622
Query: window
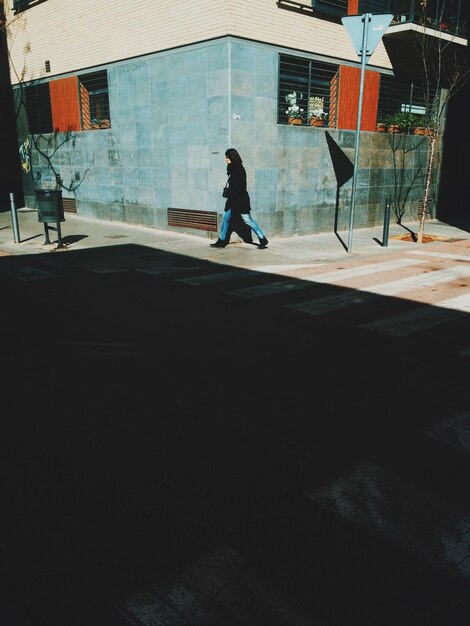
55,106
310,81
94,101
399,97
38,108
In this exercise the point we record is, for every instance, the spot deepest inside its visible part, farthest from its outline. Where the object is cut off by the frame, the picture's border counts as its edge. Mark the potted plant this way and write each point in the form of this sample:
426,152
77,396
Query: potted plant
407,122
295,114
402,122
316,114
381,125
392,123
424,126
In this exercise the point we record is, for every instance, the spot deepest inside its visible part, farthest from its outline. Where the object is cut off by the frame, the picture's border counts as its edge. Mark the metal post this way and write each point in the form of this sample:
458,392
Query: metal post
58,184
59,234
367,18
386,223
14,219
47,242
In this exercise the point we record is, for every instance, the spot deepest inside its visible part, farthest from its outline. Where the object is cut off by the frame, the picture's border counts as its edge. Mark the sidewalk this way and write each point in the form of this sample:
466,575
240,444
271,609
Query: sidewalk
80,233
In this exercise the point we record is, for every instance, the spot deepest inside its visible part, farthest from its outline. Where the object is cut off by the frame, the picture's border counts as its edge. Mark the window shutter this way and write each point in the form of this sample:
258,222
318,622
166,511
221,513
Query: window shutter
64,104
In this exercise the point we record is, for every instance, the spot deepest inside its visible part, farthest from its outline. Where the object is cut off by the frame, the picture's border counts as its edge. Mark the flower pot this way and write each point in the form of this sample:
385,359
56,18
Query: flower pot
393,128
421,130
316,121
381,128
294,120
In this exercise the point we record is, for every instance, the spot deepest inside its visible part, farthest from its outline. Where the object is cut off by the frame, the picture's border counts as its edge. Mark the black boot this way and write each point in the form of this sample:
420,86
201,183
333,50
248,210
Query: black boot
263,243
220,243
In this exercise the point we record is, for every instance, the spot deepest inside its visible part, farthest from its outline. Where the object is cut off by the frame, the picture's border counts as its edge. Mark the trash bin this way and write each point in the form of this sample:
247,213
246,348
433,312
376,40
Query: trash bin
50,206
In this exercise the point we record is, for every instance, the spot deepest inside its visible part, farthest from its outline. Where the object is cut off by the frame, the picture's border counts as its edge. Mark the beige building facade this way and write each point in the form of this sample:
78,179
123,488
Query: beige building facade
131,106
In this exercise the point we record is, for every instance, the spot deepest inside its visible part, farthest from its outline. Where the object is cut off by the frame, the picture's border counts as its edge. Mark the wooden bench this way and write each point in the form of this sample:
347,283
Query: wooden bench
189,218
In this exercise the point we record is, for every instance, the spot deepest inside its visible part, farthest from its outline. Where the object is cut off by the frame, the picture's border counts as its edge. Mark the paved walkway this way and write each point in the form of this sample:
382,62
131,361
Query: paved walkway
282,253
435,273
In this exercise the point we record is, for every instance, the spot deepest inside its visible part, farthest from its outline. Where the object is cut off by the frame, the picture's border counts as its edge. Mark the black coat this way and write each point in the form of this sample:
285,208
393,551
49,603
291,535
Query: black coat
237,225
238,200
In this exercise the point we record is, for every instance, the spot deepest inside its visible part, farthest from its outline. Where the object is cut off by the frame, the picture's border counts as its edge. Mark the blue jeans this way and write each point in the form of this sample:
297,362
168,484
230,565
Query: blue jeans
249,221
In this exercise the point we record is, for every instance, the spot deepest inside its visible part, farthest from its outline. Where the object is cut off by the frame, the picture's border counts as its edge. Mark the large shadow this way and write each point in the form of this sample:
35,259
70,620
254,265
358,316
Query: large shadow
162,429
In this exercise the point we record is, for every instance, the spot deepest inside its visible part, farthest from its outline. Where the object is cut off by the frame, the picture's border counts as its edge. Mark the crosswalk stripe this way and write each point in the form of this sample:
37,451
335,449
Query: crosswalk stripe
454,430
361,270
289,267
28,273
421,281
419,318
400,325
294,283
170,269
216,278
372,497
457,303
443,255
329,304
212,584
279,286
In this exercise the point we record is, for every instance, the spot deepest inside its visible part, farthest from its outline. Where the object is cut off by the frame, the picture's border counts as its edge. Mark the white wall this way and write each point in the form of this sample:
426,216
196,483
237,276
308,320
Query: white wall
74,35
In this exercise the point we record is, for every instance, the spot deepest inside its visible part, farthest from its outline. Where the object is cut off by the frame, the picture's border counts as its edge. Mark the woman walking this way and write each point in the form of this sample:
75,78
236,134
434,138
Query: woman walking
238,201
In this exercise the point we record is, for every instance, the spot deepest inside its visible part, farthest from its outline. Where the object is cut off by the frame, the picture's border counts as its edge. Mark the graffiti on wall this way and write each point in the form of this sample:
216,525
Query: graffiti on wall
25,156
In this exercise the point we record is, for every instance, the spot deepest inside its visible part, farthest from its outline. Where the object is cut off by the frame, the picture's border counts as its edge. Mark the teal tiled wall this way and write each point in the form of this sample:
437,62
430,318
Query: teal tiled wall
173,115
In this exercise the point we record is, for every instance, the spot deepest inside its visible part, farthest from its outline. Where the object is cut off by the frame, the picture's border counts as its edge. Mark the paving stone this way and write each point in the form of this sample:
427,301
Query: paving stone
374,498
216,588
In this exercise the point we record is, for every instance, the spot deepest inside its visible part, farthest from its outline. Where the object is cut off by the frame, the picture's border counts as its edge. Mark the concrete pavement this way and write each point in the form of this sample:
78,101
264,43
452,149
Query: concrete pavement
282,254
396,267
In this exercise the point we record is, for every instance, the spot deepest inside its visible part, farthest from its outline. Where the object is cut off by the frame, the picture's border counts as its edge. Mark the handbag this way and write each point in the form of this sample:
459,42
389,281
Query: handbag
225,191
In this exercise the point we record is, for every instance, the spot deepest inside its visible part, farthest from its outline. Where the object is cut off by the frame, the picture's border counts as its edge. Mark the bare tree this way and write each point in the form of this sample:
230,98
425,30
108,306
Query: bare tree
47,146
445,69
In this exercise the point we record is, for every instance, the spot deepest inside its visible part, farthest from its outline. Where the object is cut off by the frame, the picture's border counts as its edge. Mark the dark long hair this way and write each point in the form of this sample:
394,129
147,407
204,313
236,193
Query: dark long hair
234,157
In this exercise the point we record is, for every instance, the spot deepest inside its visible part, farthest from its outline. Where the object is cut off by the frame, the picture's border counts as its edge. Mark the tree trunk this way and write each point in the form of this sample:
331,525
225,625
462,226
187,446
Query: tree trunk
427,188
